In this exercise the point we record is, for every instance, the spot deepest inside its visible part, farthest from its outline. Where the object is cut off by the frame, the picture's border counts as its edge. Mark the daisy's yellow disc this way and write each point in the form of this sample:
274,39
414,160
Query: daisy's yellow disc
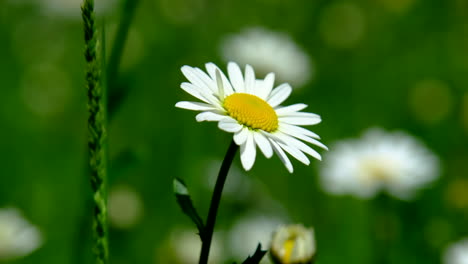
251,111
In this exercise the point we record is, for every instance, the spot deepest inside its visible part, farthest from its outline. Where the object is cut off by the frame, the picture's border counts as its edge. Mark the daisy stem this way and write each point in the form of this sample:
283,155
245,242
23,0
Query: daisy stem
96,133
215,199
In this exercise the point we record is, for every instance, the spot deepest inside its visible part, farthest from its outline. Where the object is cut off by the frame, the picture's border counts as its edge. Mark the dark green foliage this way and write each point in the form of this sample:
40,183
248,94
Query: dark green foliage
185,203
256,257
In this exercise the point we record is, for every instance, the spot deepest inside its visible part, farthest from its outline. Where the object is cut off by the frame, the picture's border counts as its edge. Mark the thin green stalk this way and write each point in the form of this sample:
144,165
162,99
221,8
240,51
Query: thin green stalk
96,133
215,199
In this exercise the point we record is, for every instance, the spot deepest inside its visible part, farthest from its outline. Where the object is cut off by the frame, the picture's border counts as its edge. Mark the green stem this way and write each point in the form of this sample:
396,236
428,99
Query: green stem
96,133
215,199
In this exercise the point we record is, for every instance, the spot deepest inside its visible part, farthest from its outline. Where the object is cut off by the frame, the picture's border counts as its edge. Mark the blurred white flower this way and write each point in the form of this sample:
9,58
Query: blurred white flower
185,245
293,244
70,8
249,231
457,253
18,237
125,207
394,162
269,51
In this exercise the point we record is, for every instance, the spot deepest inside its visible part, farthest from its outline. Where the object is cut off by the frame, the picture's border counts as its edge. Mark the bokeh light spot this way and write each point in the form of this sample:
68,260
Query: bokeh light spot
430,101
342,25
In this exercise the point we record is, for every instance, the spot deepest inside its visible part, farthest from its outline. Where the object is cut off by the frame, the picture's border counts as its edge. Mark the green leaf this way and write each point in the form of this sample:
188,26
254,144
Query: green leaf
256,257
185,203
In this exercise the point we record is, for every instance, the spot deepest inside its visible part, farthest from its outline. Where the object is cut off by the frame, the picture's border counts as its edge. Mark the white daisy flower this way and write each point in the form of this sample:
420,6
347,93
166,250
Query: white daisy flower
269,51
394,162
18,237
251,110
457,253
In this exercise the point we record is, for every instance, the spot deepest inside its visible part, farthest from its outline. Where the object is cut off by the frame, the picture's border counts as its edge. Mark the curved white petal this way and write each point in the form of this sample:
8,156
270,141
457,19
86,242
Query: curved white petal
279,151
210,83
290,109
190,74
249,79
209,116
235,75
241,136
279,94
248,152
229,125
303,121
293,130
194,91
196,106
264,90
296,153
305,138
264,145
211,68
288,140
201,93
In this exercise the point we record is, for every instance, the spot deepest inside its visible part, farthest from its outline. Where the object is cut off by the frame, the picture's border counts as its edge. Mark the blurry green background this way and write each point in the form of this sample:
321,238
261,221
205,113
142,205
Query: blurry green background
368,66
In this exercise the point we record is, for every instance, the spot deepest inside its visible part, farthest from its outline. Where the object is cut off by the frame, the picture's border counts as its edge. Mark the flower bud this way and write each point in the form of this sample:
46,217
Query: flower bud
293,244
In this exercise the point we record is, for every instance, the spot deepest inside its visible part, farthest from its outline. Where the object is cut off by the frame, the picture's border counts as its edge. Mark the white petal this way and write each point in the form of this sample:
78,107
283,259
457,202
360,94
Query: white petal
196,106
290,109
280,94
219,83
264,145
288,140
209,116
303,121
192,75
248,152
229,125
210,83
305,138
193,91
241,136
279,151
264,90
211,68
201,93
235,75
296,153
292,129
249,79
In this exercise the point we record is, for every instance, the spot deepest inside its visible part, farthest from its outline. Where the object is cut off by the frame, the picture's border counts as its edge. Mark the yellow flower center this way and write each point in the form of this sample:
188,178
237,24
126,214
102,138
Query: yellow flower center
251,111
288,249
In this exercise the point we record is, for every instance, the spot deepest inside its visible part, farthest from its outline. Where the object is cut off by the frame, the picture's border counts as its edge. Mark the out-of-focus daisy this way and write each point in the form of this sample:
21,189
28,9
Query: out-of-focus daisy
251,110
394,162
457,253
269,51
251,230
293,244
18,237
68,9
